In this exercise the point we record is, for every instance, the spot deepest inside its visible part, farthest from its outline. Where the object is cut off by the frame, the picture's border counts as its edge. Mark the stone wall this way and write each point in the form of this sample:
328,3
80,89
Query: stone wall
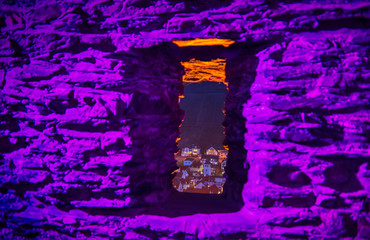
90,115
308,145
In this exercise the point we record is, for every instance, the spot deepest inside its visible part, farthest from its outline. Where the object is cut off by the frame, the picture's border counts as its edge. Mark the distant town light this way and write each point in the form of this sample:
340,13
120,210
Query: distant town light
204,42
200,172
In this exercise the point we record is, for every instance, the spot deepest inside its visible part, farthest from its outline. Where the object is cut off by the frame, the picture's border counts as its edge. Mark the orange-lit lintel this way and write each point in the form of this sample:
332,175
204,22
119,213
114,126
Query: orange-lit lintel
197,71
203,42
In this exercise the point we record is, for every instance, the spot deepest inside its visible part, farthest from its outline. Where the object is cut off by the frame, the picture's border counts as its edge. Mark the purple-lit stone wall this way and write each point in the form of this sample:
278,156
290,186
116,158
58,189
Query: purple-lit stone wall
89,118
308,129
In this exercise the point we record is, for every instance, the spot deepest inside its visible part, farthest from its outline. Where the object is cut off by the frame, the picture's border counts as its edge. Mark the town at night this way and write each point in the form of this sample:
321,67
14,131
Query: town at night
200,170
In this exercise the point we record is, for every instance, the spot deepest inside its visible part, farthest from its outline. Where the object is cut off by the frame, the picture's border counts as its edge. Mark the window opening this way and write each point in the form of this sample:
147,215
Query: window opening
202,157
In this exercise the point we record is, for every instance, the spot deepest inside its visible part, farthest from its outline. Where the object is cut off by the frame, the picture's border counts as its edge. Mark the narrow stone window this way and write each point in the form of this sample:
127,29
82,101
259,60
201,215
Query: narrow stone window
156,105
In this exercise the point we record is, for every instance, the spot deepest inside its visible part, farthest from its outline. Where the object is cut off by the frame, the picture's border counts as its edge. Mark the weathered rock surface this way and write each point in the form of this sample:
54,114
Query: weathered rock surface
89,117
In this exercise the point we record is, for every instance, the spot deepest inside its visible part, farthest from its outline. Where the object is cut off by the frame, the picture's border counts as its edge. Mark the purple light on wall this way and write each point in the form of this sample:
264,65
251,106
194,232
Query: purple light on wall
89,118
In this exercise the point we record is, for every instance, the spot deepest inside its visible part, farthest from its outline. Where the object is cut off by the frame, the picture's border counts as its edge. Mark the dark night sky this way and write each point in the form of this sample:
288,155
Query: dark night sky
203,105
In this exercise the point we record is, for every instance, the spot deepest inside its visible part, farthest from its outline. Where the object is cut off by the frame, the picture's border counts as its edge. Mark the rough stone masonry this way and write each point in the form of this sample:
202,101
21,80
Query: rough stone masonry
89,117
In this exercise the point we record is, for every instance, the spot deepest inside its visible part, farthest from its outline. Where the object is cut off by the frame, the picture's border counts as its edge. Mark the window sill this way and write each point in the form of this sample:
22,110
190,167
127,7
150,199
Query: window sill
183,204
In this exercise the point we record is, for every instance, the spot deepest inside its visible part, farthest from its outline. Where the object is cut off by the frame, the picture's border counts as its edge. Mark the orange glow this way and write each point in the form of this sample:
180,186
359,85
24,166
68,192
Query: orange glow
197,71
181,96
203,42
